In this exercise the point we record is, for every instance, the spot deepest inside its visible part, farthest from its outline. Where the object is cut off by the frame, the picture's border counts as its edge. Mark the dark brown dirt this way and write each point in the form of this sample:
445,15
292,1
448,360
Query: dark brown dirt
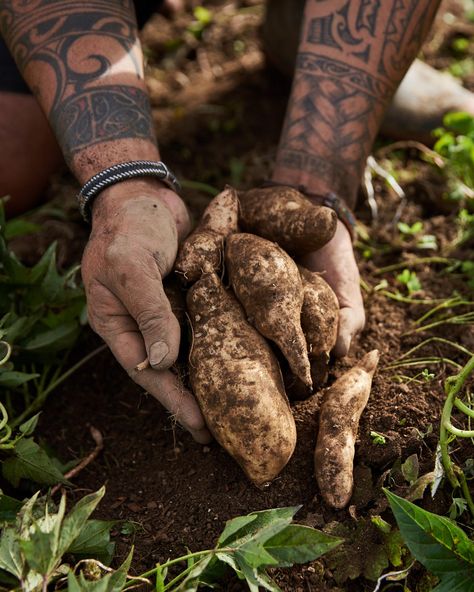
218,112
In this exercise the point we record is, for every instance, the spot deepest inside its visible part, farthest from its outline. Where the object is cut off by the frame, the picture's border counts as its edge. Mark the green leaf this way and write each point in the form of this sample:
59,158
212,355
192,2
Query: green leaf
261,527
9,507
19,227
458,582
29,426
435,541
53,340
41,548
233,527
300,544
94,541
31,462
12,378
11,559
74,522
191,582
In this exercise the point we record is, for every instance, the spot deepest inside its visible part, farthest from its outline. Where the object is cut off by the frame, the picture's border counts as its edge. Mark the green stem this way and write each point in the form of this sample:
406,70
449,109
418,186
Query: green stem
465,490
413,262
464,319
407,299
39,401
162,566
457,432
452,387
179,577
464,408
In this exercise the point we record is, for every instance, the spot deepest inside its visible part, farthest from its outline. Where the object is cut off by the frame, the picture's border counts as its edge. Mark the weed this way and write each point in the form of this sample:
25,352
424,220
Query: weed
410,280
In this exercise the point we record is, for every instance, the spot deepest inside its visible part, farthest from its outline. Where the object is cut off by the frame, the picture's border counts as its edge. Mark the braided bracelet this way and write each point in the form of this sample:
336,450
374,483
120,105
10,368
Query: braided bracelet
122,172
330,200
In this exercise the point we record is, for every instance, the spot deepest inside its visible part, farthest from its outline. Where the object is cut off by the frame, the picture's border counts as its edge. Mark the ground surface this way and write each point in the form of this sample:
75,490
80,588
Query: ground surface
218,112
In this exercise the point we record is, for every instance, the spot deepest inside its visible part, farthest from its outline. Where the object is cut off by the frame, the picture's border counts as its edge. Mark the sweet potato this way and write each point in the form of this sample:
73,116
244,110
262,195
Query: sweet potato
237,382
267,283
319,321
285,216
340,412
202,251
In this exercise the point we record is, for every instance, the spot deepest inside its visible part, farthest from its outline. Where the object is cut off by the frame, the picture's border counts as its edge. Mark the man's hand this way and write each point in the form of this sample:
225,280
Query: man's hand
132,247
337,263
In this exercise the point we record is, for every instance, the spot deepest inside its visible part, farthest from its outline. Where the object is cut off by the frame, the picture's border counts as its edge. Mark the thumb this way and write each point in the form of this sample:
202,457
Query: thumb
351,322
148,305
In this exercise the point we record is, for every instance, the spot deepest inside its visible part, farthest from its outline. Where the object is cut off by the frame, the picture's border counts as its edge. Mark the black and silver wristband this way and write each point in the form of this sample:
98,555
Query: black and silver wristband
122,172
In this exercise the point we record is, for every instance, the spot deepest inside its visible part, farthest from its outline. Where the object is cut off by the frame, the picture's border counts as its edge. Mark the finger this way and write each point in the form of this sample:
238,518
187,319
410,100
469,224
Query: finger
351,322
126,343
146,302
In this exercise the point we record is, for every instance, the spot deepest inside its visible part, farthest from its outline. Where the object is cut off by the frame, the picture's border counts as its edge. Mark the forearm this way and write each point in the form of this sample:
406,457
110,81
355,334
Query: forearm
83,61
351,58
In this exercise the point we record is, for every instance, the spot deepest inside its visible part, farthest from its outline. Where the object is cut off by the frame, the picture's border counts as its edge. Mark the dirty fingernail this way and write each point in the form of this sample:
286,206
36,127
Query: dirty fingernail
158,352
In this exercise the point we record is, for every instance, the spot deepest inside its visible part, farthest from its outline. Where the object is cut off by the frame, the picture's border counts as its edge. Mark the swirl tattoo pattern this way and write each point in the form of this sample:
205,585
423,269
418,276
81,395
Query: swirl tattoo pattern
76,47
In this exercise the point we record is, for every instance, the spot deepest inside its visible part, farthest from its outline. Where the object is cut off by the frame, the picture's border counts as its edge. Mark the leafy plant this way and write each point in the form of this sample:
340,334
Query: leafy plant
33,546
453,387
248,545
456,144
34,543
437,543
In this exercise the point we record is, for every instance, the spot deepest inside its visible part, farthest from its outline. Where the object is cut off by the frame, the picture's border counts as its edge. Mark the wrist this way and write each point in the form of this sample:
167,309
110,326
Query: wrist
338,182
112,199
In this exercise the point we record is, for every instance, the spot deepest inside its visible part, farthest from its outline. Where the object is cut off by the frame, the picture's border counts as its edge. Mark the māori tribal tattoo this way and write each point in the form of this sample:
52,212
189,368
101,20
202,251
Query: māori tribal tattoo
351,57
80,42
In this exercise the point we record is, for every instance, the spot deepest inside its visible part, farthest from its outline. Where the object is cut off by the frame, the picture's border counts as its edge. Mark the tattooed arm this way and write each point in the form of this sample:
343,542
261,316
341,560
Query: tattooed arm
83,61
351,57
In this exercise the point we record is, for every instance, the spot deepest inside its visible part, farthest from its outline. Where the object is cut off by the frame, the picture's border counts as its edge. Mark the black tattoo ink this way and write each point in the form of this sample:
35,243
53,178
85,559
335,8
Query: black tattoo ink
84,111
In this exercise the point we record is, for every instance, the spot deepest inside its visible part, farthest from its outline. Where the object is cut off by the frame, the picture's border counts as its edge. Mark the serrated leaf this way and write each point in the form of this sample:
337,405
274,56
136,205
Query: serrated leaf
31,462
74,522
11,559
435,541
12,378
94,541
300,544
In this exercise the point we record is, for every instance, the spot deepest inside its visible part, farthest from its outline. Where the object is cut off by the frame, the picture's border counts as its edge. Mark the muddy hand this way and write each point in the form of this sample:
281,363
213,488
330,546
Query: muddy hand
337,263
133,246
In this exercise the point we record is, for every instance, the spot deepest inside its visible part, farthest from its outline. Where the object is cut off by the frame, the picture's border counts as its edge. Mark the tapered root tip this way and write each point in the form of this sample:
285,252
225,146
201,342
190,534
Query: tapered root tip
369,361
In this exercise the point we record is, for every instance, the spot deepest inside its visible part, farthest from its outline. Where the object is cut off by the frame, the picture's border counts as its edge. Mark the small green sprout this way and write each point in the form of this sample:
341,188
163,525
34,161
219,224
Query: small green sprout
377,438
410,280
410,230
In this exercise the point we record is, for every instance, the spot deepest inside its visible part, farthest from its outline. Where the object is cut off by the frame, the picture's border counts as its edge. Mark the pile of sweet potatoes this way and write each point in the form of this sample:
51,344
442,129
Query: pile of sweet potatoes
250,305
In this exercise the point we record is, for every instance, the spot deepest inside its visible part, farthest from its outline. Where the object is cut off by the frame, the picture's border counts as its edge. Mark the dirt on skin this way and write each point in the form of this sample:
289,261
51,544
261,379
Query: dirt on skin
219,111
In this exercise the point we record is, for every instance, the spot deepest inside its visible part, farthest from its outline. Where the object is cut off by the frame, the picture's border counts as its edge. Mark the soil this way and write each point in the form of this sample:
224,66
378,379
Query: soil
218,111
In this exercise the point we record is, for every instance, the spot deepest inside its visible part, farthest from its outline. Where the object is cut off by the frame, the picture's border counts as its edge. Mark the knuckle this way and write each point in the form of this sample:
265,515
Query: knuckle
149,320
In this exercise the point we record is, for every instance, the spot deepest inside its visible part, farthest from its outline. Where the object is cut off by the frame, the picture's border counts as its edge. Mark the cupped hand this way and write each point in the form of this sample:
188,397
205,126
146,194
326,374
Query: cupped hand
132,247
336,262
